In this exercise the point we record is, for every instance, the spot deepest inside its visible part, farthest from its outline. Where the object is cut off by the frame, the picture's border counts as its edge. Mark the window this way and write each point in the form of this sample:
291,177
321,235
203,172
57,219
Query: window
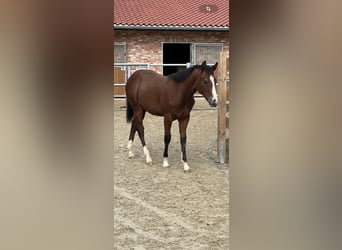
207,51
119,52
119,72
175,53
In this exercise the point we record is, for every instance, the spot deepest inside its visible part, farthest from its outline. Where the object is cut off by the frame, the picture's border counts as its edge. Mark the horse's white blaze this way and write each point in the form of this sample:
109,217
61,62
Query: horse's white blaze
130,148
166,162
186,166
147,154
213,88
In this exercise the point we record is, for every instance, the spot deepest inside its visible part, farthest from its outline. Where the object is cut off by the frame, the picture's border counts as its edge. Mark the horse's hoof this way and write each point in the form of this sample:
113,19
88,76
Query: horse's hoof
166,163
148,159
187,171
186,167
130,155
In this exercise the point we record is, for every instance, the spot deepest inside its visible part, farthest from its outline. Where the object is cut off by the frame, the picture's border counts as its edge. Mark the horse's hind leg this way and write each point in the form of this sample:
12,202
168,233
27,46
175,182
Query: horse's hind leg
139,116
131,138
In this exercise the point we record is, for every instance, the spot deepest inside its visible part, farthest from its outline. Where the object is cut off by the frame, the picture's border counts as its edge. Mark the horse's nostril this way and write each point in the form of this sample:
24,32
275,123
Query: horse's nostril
214,103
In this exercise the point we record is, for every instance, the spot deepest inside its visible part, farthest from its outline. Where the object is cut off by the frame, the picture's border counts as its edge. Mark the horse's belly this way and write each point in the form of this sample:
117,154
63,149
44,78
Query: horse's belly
153,109
155,113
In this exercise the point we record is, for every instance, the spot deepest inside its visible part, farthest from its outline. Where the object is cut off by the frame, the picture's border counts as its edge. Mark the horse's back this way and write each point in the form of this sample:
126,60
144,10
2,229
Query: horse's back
145,73
144,87
144,77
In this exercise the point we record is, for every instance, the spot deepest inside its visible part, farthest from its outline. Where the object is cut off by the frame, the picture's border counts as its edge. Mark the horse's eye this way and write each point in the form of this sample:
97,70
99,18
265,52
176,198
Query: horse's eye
206,81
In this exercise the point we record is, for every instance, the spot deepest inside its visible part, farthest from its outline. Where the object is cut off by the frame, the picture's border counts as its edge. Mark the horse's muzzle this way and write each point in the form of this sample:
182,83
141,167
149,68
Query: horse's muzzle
213,103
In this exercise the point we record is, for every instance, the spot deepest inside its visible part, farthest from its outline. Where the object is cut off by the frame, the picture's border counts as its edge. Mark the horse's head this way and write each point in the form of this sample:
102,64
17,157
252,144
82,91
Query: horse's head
206,83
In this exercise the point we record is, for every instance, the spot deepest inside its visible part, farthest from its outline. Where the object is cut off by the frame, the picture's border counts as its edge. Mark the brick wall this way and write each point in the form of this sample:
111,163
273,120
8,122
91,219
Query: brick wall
146,45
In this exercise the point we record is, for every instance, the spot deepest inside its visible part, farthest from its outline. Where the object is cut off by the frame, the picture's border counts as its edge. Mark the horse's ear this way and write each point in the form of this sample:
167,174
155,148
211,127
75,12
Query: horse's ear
215,66
204,64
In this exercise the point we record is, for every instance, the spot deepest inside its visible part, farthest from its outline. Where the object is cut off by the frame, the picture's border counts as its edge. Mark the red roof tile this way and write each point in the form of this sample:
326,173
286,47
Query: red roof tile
198,13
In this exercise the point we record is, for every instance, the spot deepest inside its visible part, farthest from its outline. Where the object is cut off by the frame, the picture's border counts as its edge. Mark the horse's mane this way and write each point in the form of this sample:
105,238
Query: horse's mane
182,75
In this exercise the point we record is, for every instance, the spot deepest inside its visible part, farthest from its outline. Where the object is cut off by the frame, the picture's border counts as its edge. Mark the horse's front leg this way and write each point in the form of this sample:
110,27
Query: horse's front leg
183,123
167,138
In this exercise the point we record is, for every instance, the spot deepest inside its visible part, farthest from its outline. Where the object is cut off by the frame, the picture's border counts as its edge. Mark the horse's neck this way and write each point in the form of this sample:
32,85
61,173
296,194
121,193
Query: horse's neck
188,87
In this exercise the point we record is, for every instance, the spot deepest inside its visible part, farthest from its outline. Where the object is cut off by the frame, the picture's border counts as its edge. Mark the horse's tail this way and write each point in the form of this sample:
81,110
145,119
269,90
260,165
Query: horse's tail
129,112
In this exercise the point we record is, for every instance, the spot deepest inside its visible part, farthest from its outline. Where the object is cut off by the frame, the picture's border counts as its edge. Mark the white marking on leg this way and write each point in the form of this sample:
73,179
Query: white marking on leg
186,167
147,154
130,144
130,149
182,157
165,162
213,88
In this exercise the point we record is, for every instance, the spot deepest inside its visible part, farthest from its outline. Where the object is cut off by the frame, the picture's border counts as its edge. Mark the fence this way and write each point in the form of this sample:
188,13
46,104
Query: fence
223,112
122,72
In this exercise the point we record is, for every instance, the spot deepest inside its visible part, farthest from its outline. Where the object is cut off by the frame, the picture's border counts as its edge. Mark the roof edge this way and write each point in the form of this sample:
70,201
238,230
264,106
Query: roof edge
167,27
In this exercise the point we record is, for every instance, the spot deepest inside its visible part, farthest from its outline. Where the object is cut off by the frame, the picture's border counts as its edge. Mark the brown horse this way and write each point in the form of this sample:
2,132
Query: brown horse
169,96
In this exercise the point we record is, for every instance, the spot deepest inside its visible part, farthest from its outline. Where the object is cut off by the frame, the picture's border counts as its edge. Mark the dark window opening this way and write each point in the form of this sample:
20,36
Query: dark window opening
175,53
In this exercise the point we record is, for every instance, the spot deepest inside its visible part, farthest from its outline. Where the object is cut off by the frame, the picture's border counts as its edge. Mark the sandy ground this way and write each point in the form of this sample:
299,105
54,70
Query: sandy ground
165,208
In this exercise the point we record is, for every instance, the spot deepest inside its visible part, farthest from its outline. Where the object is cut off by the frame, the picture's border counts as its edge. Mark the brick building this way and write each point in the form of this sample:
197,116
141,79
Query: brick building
168,32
